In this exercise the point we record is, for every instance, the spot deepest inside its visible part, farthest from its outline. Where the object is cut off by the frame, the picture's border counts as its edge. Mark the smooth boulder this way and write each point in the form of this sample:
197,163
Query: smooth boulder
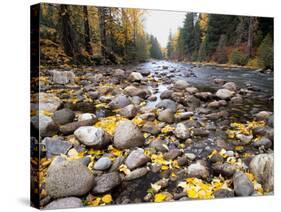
262,167
127,135
68,178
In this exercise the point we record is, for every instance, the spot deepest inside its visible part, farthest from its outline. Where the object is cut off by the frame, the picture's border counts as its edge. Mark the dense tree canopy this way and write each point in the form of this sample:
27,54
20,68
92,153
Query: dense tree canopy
87,34
240,40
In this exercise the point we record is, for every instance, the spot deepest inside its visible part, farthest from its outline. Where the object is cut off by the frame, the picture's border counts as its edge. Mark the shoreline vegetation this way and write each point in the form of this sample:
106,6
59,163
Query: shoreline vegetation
103,36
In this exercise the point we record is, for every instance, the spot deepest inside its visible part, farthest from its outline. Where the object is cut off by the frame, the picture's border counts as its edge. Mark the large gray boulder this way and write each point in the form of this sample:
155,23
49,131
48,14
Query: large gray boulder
68,202
127,135
262,168
242,185
68,178
106,182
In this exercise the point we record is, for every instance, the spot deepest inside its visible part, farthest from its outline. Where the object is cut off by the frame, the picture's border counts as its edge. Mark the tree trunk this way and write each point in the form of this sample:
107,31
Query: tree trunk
68,38
87,31
250,36
124,20
102,26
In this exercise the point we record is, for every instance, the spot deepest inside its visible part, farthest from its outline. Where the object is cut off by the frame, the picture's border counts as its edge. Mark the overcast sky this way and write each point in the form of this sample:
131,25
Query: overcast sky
159,23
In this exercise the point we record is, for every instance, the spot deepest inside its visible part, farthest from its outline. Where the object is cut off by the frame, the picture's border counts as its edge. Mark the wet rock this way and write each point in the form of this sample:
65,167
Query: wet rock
182,132
56,146
152,98
129,111
204,95
263,115
224,94
63,77
148,116
167,104
68,202
172,154
119,101
183,116
86,116
242,185
63,116
262,167
133,91
190,156
151,128
127,135
106,182
219,81
222,193
71,127
181,84
137,173
92,136
244,138
230,86
167,94
116,163
136,159
44,124
136,100
214,104
225,169
166,116
218,115
191,90
183,160
103,163
236,100
159,145
94,94
199,132
48,102
192,102
263,141
119,73
197,170
216,158
68,178
135,76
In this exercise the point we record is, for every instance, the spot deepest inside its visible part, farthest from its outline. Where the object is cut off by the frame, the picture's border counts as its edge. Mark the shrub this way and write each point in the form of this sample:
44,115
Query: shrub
265,53
238,57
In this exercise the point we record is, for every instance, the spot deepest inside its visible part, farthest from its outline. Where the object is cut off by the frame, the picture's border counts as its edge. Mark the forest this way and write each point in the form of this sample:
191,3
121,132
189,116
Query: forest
240,40
102,35
118,116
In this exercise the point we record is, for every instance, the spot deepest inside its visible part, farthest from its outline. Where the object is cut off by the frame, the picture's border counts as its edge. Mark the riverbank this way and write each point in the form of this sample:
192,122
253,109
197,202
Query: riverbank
157,131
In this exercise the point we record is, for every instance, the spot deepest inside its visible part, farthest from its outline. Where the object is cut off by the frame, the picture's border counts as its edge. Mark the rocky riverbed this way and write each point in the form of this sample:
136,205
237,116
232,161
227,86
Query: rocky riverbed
152,132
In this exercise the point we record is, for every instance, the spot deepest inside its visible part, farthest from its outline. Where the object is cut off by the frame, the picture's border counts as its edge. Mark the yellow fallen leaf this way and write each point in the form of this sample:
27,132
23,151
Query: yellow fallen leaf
107,198
160,197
